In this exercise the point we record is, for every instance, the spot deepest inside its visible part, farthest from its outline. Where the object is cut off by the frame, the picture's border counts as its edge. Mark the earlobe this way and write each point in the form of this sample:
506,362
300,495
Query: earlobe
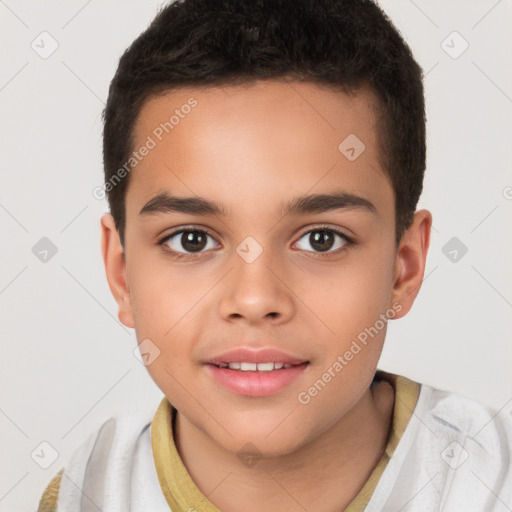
410,261
115,268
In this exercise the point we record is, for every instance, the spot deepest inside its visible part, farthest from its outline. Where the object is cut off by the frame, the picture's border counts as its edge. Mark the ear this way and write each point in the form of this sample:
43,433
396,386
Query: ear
115,268
410,261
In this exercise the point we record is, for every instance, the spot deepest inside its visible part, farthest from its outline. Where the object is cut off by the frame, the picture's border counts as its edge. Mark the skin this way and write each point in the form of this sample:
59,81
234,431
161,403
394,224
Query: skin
251,148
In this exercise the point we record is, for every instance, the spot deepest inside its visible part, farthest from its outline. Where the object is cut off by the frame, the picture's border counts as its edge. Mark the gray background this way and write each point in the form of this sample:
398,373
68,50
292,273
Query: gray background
67,362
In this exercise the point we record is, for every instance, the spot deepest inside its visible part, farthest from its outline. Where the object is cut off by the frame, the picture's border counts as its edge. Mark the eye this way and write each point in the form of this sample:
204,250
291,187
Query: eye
323,240
191,240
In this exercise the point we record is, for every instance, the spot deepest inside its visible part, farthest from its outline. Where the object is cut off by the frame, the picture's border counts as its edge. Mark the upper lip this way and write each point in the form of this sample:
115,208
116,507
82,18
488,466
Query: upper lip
251,355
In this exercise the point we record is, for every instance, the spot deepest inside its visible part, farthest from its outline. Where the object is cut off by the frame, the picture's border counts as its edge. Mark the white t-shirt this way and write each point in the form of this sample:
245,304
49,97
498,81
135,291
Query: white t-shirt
454,456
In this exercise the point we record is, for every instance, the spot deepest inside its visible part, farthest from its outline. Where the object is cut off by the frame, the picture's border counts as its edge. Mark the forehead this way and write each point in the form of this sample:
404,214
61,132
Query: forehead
253,144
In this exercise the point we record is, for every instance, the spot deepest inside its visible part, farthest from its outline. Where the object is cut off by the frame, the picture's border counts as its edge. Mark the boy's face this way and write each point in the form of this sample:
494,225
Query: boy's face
260,278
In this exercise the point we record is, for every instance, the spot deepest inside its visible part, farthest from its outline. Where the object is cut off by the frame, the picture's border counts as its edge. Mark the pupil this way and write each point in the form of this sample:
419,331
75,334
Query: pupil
321,240
193,240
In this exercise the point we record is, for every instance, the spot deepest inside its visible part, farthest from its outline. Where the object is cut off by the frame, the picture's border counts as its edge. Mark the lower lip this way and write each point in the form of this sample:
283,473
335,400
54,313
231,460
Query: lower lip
252,383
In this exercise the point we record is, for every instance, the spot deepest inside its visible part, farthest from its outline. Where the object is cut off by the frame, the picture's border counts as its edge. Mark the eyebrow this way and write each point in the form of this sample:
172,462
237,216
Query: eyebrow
317,203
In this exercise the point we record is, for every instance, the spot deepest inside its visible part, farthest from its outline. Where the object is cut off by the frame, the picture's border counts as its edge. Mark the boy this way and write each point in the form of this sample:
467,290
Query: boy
263,163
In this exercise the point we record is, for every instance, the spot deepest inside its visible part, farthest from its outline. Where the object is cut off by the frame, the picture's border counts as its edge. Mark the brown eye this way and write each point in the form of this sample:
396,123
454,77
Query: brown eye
193,240
190,241
324,239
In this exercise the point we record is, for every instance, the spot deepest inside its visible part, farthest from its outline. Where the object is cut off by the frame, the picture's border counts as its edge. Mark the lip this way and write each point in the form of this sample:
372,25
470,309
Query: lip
261,355
253,383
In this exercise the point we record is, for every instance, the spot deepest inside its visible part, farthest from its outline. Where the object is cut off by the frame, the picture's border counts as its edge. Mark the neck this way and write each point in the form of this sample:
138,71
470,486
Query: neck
336,464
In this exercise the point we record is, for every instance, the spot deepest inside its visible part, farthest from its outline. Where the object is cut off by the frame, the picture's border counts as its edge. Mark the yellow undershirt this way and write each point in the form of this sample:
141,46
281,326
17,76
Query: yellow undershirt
181,493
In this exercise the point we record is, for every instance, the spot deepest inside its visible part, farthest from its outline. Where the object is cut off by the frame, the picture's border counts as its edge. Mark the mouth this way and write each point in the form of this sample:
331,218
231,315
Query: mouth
256,367
253,379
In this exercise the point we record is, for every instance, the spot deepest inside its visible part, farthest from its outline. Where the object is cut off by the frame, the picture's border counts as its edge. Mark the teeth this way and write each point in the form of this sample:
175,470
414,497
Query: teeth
260,367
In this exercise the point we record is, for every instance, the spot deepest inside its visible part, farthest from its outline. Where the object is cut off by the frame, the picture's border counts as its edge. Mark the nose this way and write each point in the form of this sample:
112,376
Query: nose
257,291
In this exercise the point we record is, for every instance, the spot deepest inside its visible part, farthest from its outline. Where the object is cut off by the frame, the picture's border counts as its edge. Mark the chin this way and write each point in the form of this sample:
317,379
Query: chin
259,443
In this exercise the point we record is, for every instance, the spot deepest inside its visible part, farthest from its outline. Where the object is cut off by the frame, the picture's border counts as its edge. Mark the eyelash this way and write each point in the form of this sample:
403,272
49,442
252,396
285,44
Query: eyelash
188,256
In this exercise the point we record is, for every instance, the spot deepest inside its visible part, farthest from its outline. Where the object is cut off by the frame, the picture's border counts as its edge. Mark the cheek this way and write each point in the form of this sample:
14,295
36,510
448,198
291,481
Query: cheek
353,297
161,322
352,310
164,314
161,296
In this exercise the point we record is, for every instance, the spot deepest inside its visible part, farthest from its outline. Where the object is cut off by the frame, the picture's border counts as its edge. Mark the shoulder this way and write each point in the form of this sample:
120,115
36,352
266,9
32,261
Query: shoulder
468,442
107,446
454,454
48,501
487,426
